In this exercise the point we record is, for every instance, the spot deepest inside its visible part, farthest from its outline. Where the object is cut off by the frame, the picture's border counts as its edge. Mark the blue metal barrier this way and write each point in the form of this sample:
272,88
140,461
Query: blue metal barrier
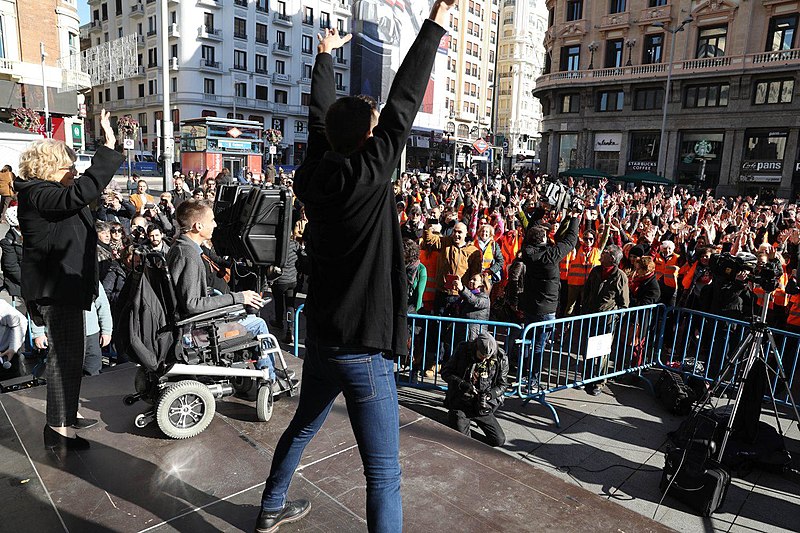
703,344
585,349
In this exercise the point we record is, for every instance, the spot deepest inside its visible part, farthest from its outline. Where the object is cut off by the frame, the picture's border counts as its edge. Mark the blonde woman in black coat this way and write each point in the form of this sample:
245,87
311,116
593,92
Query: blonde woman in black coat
59,266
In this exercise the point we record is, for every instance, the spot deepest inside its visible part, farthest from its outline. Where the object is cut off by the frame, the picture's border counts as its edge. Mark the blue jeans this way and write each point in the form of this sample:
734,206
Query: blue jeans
542,335
367,381
256,325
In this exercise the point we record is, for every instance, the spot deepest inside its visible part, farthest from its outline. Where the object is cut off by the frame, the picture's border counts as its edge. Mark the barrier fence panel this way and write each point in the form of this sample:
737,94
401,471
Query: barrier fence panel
704,343
576,351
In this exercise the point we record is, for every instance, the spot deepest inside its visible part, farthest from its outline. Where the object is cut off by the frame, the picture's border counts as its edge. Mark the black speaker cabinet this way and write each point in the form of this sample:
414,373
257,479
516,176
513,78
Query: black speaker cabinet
228,207
253,223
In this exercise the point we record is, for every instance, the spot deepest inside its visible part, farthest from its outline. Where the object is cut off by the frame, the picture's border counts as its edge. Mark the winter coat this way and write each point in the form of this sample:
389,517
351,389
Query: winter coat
11,261
459,368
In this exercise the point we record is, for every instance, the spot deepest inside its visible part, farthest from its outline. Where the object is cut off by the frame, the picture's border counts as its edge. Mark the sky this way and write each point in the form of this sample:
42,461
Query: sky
83,11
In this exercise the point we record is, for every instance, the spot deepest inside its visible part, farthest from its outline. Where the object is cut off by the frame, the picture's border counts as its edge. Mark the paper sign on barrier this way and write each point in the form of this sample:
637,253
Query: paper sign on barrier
599,346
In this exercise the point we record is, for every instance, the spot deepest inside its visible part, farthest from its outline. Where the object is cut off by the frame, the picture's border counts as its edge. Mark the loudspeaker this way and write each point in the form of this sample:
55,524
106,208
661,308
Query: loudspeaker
228,207
266,225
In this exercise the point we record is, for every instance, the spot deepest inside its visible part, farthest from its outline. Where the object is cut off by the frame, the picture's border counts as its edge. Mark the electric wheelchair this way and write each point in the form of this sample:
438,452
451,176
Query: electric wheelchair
185,365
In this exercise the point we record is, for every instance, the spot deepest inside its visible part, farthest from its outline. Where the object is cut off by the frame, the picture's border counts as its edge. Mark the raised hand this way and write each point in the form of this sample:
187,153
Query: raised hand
331,40
108,131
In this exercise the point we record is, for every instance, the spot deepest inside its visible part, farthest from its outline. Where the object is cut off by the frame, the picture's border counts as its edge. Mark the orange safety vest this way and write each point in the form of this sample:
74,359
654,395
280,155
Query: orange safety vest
581,265
509,246
793,317
667,270
563,266
487,255
429,258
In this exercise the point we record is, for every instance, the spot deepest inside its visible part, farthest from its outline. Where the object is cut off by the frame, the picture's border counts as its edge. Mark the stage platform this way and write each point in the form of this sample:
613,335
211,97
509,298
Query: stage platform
138,480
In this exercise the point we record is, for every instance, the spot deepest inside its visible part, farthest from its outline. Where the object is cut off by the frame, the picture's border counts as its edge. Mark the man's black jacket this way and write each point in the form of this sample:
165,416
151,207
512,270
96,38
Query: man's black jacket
59,259
459,368
357,289
542,280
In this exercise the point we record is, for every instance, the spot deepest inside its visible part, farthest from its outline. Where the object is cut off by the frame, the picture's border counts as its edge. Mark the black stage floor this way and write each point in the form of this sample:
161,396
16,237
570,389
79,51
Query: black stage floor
138,480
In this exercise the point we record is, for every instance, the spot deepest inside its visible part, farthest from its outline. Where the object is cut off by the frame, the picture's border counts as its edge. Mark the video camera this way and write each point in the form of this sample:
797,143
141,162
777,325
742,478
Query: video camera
560,197
765,275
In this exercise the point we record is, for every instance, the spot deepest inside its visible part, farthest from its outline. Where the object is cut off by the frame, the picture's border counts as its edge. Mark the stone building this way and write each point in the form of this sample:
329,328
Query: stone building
731,116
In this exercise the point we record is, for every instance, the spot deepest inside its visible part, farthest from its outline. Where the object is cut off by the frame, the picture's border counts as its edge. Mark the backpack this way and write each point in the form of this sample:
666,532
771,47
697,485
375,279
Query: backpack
146,302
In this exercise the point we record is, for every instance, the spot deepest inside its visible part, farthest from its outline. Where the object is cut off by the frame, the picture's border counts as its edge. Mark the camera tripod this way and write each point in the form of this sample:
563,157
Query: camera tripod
751,350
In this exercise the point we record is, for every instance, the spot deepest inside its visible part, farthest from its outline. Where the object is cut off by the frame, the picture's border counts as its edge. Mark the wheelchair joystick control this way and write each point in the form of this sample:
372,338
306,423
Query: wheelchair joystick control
6,363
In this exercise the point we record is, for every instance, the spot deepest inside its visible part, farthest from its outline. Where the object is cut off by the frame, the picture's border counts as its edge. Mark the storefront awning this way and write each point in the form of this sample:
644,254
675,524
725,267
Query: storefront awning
584,173
644,177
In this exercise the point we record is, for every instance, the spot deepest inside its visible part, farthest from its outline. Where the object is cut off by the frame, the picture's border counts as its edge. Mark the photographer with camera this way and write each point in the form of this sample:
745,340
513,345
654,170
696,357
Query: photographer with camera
476,379
113,208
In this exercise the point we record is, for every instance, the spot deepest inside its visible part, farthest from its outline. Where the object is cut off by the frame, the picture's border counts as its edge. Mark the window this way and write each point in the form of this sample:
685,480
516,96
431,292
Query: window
280,38
141,90
653,46
774,92
340,25
307,44
261,33
173,84
656,3
256,118
104,11
570,57
152,57
151,86
765,145
307,69
574,10
143,122
208,21
715,95
570,103
261,64
281,97
324,20
280,66
152,25
208,86
208,113
614,53
282,7
305,98
237,116
208,53
240,89
239,28
610,100
617,6
651,98
308,15
240,59
781,33
261,5
644,146
173,51
262,92
711,42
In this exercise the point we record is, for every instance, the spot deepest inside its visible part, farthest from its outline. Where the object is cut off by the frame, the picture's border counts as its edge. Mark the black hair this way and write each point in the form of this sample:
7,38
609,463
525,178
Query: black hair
348,122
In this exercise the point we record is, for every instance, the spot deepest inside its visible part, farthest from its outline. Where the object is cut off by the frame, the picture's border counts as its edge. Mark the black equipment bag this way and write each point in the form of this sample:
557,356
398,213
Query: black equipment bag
674,394
703,490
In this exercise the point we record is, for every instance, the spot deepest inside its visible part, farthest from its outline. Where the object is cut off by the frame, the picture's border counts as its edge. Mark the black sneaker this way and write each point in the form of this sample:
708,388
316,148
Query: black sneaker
291,512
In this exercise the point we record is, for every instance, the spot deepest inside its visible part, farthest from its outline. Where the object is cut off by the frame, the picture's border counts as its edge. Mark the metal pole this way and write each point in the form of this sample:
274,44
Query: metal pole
44,91
168,146
662,151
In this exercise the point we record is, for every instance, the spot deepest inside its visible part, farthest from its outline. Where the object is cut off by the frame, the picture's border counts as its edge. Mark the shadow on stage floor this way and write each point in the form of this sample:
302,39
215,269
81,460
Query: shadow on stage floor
137,480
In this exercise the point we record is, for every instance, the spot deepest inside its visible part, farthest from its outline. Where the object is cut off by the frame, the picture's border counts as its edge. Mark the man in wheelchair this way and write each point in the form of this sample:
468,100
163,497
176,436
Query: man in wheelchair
188,271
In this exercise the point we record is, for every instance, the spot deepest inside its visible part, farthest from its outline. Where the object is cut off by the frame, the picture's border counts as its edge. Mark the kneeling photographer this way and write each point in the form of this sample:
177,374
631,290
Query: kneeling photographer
476,377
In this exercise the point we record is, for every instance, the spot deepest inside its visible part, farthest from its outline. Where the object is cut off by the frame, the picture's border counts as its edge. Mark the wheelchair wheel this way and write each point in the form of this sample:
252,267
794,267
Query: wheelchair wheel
185,409
245,387
265,402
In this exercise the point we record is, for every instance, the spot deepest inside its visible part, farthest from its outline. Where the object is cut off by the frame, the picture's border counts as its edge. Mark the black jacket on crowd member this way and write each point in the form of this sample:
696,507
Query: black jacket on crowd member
726,297
647,293
179,196
289,271
459,369
542,273
357,296
59,261
11,261
123,215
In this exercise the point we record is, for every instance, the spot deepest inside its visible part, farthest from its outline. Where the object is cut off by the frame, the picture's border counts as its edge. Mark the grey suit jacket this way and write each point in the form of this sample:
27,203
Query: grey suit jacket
188,274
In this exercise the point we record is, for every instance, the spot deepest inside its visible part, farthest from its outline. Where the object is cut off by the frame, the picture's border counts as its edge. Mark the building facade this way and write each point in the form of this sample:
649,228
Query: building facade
731,114
21,74
246,59
520,60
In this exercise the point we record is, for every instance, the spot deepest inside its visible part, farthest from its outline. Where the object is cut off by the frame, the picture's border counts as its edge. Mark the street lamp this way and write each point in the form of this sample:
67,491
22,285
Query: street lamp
630,43
592,47
661,168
